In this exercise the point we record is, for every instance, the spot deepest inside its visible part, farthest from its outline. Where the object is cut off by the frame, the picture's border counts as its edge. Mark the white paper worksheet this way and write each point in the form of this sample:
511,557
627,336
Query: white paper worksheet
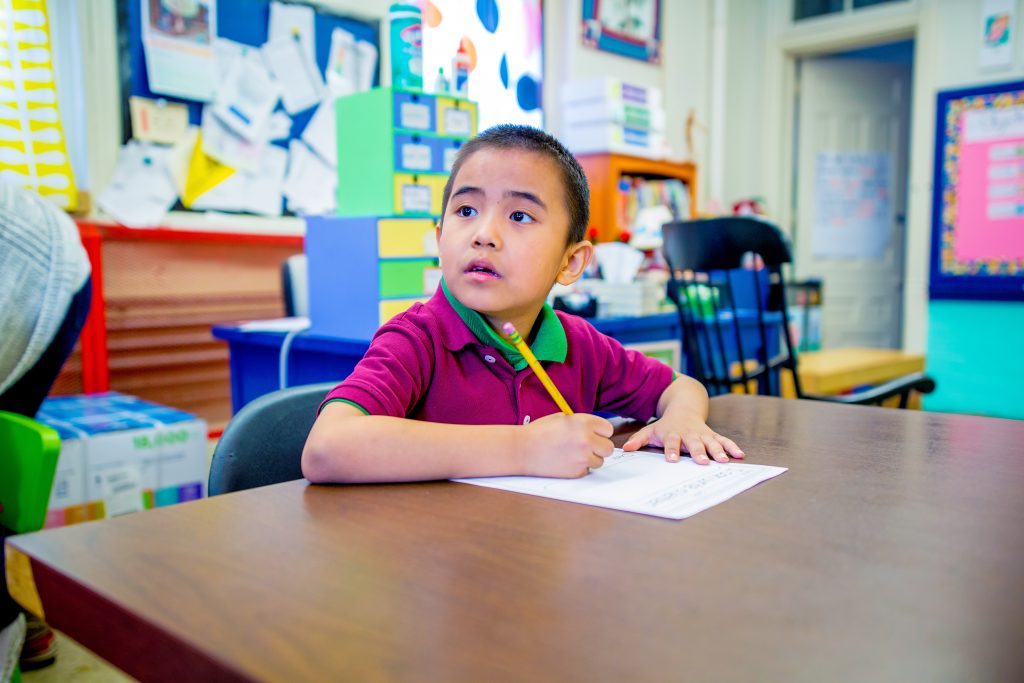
643,482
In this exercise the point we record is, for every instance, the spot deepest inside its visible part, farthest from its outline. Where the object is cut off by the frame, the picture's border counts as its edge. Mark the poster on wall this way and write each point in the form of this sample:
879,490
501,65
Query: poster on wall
998,33
978,198
178,39
631,28
504,45
852,205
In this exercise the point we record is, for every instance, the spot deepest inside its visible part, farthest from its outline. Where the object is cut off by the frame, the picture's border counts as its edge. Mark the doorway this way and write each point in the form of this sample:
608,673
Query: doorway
851,149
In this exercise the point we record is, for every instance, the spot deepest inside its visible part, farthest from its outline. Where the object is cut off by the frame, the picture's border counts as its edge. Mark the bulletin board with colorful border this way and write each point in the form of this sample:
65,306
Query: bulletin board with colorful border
978,194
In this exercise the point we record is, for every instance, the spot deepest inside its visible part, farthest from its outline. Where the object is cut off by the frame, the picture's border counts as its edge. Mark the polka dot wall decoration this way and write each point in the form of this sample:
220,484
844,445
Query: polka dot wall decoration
503,40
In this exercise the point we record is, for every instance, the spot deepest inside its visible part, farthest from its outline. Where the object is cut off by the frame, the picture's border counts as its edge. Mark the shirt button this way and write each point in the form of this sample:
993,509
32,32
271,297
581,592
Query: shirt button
526,420
489,358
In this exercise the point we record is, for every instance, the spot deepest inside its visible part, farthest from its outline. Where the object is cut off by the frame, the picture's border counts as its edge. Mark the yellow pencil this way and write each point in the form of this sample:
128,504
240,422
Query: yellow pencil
517,341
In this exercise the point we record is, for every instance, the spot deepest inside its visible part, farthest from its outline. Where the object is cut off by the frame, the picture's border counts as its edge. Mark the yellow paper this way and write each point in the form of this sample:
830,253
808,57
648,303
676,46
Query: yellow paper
33,152
204,174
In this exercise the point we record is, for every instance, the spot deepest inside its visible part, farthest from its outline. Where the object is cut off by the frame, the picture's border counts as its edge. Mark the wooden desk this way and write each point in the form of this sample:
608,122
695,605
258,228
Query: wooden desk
893,549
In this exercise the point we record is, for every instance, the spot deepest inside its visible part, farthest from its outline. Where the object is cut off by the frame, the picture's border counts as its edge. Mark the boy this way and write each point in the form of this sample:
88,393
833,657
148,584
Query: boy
514,215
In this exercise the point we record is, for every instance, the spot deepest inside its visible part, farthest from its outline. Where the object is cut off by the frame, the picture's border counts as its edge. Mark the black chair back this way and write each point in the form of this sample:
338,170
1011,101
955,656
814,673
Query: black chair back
263,443
732,310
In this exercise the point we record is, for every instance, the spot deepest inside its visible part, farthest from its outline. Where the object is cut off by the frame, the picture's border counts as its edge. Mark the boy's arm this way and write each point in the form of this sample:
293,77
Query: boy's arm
682,416
346,446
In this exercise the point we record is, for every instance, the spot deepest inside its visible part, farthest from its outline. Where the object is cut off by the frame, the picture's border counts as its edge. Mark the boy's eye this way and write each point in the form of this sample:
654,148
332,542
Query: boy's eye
521,217
465,211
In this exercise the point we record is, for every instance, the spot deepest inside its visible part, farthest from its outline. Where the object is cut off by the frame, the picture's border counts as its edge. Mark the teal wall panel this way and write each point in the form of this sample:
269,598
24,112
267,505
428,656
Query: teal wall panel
976,355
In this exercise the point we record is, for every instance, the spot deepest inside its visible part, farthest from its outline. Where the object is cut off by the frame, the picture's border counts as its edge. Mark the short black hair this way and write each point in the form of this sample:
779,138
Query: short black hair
512,136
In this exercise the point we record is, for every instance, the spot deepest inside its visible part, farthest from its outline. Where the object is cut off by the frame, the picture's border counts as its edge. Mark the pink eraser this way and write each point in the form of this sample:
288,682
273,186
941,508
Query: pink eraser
509,329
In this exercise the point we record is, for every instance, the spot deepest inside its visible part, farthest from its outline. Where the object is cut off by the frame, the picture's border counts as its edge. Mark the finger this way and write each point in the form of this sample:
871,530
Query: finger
672,442
714,448
603,427
594,461
730,447
696,449
638,440
602,448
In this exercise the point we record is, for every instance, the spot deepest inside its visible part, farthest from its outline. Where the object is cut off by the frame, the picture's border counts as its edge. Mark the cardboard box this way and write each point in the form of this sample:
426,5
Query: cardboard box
120,454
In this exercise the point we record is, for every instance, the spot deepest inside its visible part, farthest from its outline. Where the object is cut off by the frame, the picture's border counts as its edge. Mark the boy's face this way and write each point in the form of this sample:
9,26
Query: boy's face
503,236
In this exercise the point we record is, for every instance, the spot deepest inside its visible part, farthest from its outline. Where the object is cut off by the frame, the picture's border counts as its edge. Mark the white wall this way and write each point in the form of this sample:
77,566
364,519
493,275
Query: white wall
683,75
745,40
762,44
949,38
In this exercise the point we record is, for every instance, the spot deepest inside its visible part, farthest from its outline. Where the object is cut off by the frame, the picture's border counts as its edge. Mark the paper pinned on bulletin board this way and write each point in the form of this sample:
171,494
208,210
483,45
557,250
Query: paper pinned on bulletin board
852,205
177,36
998,33
142,189
298,21
158,120
203,173
34,151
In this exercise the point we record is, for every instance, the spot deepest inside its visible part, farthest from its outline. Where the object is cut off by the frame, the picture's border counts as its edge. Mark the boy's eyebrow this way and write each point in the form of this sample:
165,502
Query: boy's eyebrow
528,196
520,194
467,189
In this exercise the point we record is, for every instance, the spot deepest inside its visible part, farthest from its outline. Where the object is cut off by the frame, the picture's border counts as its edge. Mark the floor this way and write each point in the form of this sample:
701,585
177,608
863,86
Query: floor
75,663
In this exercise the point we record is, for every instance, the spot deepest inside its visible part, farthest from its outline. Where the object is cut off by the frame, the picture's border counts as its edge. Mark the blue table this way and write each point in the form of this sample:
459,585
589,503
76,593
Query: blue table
256,359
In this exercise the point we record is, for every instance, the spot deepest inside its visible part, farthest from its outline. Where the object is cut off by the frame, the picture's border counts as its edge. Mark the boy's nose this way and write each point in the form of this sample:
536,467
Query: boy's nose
486,235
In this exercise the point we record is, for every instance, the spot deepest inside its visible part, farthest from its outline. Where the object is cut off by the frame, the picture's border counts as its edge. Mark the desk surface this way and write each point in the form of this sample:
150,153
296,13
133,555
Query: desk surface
892,549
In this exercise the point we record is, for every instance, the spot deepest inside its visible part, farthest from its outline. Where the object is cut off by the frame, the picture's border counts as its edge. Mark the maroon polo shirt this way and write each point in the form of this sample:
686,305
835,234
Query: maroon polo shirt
428,364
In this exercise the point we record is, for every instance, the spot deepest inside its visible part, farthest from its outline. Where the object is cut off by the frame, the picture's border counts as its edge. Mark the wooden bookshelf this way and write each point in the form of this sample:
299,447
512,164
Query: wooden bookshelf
603,173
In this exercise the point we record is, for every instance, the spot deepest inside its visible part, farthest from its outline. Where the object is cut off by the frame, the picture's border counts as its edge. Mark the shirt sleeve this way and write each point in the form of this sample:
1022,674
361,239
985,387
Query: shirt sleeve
630,383
393,375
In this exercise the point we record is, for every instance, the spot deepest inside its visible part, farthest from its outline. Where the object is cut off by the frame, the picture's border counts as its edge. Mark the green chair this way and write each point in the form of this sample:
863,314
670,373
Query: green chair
28,462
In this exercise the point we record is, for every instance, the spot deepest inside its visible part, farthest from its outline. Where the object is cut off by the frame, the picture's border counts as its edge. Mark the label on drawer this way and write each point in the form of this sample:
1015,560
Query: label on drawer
415,199
458,121
430,244
432,280
416,156
449,158
414,115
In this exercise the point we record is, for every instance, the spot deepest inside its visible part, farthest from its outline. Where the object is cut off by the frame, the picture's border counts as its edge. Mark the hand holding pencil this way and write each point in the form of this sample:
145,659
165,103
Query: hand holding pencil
567,445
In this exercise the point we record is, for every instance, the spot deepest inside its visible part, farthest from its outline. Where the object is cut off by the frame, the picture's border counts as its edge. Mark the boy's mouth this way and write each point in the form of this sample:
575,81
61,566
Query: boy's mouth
481,269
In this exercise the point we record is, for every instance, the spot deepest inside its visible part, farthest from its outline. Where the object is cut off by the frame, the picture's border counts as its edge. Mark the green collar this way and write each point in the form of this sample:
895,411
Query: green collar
549,345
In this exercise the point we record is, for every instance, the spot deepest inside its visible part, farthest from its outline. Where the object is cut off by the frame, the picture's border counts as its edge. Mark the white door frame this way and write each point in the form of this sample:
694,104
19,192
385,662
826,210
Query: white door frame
786,43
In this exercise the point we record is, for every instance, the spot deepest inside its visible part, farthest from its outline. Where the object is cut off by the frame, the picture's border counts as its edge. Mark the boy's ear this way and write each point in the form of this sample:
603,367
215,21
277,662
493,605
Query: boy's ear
576,259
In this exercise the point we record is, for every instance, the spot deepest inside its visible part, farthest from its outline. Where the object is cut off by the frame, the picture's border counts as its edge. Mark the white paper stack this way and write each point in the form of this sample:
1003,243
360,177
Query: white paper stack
608,115
614,299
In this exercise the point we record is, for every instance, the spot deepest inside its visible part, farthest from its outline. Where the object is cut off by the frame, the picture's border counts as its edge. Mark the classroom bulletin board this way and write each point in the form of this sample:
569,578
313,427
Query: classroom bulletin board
978,206
244,21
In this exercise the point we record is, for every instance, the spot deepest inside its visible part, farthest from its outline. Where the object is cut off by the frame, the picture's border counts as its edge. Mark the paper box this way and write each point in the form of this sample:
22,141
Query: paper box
120,454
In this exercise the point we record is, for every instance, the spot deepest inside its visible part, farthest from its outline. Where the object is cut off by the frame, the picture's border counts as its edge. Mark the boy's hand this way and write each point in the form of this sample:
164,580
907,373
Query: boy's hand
689,432
566,446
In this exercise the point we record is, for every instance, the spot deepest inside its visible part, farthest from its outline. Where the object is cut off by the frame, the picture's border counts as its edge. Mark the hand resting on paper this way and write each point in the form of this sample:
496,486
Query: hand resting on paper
681,425
691,435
